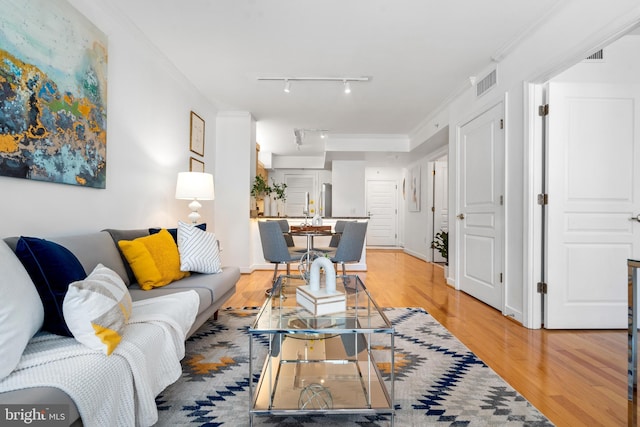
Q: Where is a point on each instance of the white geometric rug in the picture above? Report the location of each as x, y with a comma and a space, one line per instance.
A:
438, 381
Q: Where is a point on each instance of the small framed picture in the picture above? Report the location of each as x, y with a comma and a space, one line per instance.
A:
195, 165
196, 142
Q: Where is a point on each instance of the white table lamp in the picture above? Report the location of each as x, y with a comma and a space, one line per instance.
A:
194, 186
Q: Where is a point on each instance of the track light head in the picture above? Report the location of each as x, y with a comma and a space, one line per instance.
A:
347, 87
298, 134
287, 86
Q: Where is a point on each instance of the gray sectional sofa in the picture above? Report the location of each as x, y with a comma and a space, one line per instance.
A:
101, 247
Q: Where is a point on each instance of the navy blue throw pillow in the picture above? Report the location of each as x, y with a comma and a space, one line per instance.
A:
52, 268
174, 231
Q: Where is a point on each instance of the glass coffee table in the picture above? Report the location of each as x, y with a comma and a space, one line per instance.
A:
338, 363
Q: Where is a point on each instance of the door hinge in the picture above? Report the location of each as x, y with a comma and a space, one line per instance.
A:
433, 172
543, 110
501, 200
433, 209
501, 123
542, 288
543, 199
500, 277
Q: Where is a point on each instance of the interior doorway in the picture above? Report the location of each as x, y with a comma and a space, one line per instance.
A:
593, 187
382, 210
439, 215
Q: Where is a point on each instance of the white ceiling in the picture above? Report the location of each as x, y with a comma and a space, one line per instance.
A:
417, 53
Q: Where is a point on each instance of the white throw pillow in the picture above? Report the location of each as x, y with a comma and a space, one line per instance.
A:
198, 250
21, 311
97, 309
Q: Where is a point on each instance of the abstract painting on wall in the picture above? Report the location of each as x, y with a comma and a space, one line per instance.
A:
414, 189
53, 94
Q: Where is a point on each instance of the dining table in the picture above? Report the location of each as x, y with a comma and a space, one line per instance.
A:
310, 231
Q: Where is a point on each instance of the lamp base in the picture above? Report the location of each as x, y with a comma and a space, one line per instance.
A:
194, 216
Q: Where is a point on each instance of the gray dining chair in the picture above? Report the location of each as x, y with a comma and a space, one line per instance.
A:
338, 229
274, 246
351, 244
286, 232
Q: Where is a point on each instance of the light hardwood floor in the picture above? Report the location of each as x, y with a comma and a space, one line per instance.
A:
576, 378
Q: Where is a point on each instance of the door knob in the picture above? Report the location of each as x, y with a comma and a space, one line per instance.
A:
636, 218
461, 216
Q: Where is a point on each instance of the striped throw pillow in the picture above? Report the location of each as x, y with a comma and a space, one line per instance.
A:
198, 250
97, 309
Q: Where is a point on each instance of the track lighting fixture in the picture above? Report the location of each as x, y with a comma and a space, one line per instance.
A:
346, 81
299, 135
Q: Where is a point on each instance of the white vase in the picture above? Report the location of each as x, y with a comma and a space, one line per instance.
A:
267, 206
274, 207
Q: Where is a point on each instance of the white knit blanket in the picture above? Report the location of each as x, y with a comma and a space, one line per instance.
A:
119, 389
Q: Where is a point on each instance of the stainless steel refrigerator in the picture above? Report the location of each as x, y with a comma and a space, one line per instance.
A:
325, 200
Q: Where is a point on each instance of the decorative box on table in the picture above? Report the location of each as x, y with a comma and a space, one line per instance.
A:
320, 302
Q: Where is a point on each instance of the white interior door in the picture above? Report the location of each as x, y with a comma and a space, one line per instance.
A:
382, 207
440, 201
480, 207
593, 190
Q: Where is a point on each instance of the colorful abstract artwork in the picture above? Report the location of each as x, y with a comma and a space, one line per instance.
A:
53, 94
414, 189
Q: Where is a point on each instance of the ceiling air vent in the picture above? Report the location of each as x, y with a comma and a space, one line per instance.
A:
486, 83
596, 57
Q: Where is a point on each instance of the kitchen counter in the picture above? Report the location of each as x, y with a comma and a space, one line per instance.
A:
324, 217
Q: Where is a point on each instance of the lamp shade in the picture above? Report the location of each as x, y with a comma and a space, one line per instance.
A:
194, 186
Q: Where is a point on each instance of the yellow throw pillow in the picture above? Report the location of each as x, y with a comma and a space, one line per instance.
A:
154, 259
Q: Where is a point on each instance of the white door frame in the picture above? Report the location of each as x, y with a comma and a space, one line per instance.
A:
534, 176
433, 179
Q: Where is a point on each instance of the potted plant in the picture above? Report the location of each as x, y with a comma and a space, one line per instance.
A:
441, 244
280, 196
260, 189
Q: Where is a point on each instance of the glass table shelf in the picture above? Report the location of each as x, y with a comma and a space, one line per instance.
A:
301, 363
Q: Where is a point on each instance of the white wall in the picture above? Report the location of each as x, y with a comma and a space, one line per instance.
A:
348, 178
417, 227
621, 65
418, 232
236, 132
147, 145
